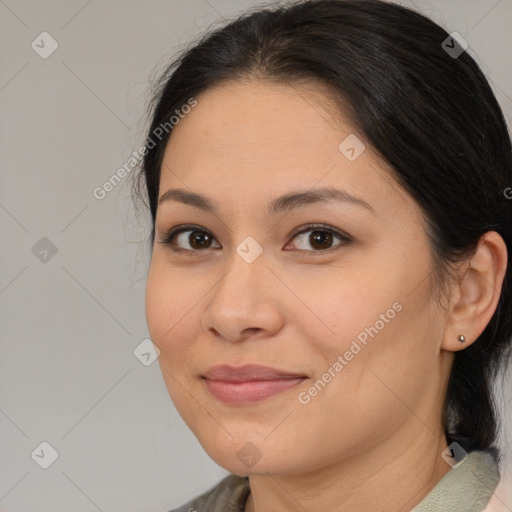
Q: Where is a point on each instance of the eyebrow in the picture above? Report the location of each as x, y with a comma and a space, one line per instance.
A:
282, 204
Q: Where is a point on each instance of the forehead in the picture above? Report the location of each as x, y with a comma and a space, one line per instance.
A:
264, 139
241, 116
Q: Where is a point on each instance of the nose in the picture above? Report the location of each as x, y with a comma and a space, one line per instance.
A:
245, 302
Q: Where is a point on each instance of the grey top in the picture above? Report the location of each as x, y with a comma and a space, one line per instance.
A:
467, 487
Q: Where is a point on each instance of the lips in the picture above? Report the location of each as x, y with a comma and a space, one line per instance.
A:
247, 372
249, 383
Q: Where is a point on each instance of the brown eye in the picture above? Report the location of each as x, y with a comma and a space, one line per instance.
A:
319, 239
194, 239
199, 240
191, 240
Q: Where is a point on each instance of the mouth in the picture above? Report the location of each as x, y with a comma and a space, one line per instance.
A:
249, 383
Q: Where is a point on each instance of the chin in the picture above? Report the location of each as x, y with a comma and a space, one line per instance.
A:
244, 458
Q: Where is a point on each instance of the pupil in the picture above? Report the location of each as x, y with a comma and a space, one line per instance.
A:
196, 238
320, 237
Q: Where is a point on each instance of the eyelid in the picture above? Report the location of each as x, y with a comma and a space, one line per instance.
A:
168, 236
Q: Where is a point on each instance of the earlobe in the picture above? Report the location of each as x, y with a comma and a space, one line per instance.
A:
477, 293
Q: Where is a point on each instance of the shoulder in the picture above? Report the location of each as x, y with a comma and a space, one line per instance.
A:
230, 494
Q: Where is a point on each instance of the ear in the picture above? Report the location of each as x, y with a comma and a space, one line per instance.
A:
476, 295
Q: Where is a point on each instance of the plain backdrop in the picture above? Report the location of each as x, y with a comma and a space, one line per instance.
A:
73, 267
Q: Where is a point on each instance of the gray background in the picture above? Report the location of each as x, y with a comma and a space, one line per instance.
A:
69, 324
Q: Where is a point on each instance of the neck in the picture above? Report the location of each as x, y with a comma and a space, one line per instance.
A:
394, 475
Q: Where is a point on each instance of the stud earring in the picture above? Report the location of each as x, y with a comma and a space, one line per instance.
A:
461, 338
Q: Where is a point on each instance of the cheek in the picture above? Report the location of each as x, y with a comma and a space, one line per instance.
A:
388, 360
367, 315
382, 374
169, 315
339, 304
169, 305
157, 305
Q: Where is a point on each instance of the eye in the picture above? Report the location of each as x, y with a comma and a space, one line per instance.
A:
321, 238
197, 239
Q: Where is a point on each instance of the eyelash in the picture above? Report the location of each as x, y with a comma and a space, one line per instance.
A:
169, 236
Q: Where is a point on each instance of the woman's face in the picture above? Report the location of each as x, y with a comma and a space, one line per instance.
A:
352, 318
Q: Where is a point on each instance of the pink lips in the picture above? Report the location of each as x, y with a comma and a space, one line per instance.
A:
248, 383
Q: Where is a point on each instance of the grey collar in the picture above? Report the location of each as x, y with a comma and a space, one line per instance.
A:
468, 486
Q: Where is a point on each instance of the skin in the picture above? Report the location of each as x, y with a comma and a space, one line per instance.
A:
372, 438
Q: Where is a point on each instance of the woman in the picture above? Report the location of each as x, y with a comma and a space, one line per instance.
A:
330, 283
